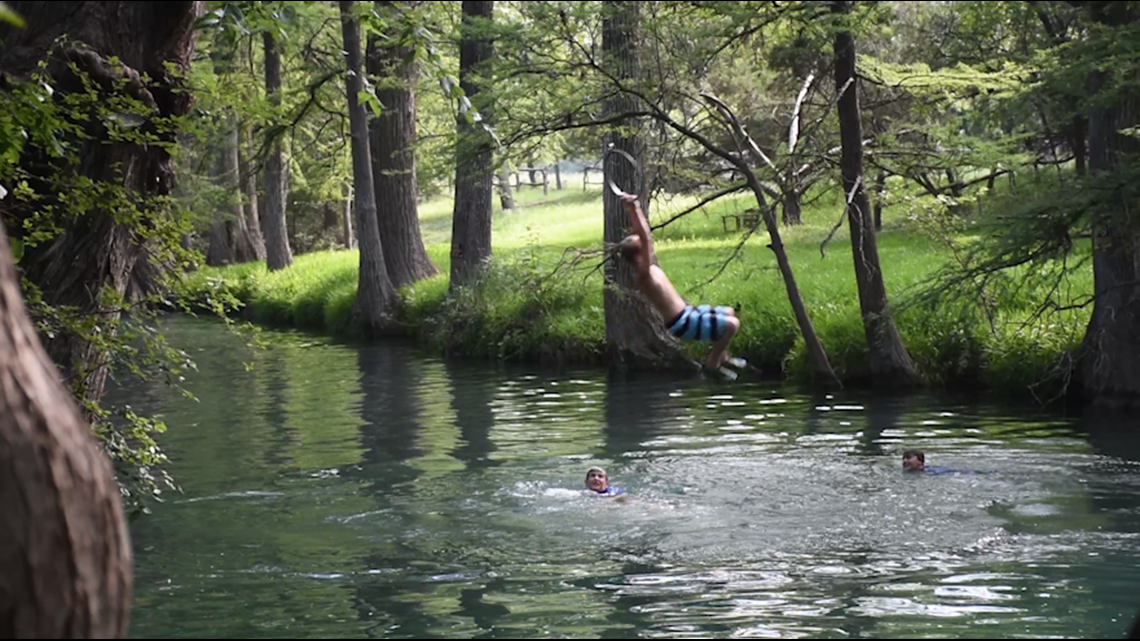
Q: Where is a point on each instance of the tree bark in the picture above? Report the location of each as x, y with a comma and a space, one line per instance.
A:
349, 236
471, 217
229, 232
1110, 351
64, 545
635, 332
252, 217
393, 156
231, 177
793, 211
95, 253
220, 250
506, 196
375, 295
880, 189
890, 364
278, 255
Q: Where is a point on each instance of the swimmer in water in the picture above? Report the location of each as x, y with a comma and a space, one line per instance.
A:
598, 482
915, 461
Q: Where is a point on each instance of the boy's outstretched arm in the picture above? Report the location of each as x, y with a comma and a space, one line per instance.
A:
640, 225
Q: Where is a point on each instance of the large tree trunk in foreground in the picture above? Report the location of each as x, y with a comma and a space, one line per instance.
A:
65, 551
471, 218
1110, 351
394, 159
635, 332
890, 364
95, 253
375, 295
278, 255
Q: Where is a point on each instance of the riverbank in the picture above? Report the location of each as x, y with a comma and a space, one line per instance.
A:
542, 299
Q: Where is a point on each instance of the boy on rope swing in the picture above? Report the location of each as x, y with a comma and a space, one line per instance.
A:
683, 320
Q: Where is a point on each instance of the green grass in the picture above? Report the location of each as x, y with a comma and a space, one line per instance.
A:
521, 312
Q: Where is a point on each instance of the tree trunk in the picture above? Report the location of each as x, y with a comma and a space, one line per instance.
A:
277, 252
95, 253
220, 250
65, 547
793, 212
252, 218
375, 295
557, 177
1110, 351
393, 156
890, 364
506, 196
1078, 131
229, 232
231, 178
635, 332
349, 237
474, 168
880, 189
821, 366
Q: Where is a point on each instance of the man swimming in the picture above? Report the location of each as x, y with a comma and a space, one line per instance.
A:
599, 482
915, 461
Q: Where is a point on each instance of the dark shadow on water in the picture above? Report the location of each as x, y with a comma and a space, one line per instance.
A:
391, 417
486, 616
638, 407
276, 412
472, 392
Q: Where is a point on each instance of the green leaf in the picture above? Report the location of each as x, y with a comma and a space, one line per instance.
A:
17, 246
369, 98
11, 17
209, 19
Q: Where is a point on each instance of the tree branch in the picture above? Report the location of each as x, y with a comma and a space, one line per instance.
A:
731, 189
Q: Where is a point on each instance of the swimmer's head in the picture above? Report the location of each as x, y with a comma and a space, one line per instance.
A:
914, 460
597, 480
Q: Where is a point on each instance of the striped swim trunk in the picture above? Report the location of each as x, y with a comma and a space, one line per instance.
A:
699, 323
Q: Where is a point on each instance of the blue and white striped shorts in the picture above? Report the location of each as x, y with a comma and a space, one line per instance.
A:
699, 323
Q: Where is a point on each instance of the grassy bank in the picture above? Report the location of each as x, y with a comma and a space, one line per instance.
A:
528, 309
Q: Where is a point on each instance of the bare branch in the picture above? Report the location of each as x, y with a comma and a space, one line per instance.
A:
839, 223
732, 189
739, 129
794, 127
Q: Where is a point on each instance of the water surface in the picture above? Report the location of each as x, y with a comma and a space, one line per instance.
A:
340, 491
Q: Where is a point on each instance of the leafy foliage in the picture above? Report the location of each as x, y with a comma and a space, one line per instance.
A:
43, 134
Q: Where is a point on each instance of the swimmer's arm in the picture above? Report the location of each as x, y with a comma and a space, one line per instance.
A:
640, 225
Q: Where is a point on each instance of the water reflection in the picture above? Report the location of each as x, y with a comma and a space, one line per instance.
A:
390, 431
340, 491
474, 416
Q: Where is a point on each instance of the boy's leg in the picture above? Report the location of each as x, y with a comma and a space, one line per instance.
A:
728, 325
